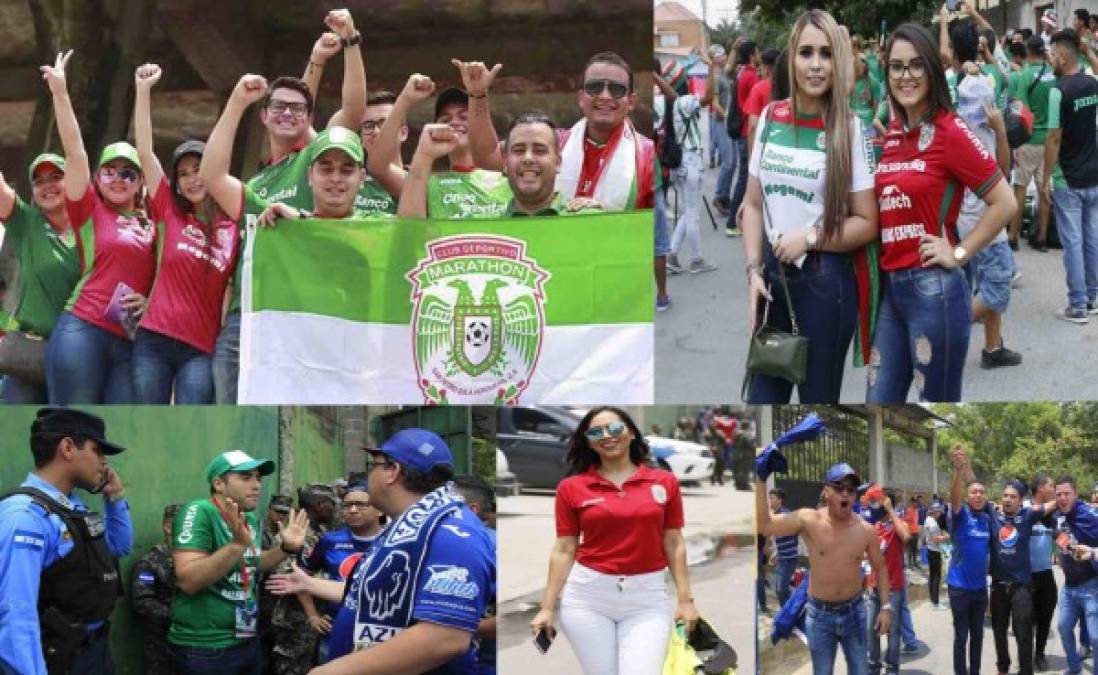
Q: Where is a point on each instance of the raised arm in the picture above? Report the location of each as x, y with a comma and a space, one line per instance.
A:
483, 140
353, 105
7, 200
436, 140
779, 525
77, 173
944, 50
227, 190
383, 160
957, 484
144, 78
710, 80
903, 530
325, 47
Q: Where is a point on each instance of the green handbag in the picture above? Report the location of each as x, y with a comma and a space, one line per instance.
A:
771, 351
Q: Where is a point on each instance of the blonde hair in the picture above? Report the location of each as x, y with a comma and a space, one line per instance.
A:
836, 115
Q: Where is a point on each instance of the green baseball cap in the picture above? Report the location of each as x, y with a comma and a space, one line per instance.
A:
237, 460
46, 158
342, 139
120, 150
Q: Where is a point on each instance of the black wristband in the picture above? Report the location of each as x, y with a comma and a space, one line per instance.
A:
282, 547
352, 41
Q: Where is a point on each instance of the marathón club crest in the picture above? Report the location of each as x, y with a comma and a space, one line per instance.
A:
477, 319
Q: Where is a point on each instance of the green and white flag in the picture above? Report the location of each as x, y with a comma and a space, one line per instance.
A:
542, 310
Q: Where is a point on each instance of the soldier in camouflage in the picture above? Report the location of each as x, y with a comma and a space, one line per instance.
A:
151, 588
296, 623
278, 512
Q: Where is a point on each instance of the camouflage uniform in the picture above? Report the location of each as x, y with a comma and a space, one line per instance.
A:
152, 586
294, 639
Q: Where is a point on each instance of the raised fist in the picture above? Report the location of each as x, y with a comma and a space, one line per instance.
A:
341, 23
436, 140
325, 47
147, 75
418, 88
250, 89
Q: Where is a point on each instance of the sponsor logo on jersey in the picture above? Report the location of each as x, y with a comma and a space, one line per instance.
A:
892, 198
450, 580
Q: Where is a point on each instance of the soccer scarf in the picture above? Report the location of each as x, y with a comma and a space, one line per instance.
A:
615, 184
384, 585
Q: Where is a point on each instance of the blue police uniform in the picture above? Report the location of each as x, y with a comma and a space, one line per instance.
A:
31, 541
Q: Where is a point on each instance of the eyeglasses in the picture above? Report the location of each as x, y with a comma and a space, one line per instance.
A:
843, 487
278, 107
373, 126
355, 505
376, 460
596, 87
613, 430
109, 174
916, 69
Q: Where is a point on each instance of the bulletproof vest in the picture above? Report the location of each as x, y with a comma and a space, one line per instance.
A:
84, 585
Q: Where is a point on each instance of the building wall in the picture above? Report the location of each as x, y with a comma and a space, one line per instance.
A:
691, 33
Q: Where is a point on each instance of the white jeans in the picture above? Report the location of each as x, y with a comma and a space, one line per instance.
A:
616, 625
687, 180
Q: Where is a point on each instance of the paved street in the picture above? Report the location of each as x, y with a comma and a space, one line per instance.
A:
701, 342
718, 526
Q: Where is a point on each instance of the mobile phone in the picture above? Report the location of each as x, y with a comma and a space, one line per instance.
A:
544, 639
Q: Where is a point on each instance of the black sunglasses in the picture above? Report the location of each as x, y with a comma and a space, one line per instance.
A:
596, 87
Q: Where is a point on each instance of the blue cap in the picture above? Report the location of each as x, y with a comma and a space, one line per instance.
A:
418, 449
840, 471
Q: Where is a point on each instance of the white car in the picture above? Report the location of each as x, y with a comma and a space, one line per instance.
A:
690, 462
506, 482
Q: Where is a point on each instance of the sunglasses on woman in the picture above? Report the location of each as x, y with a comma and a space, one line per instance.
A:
596, 87
613, 430
109, 174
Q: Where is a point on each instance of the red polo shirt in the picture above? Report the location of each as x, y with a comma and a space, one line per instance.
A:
620, 530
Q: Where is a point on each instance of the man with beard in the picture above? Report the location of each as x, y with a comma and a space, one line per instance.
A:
412, 605
970, 527
60, 576
532, 163
217, 563
602, 156
837, 542
151, 591
1077, 539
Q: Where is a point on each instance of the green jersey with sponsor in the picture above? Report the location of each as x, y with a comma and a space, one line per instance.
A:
864, 99
49, 267
217, 616
468, 194
1002, 85
374, 200
286, 180
1036, 97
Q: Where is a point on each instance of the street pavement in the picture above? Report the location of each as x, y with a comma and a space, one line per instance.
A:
934, 628
719, 522
701, 341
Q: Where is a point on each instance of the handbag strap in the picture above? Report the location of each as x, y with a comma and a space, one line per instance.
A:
766, 211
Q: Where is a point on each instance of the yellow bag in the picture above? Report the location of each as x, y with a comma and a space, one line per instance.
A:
681, 659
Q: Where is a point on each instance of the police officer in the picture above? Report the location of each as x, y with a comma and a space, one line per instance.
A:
60, 575
152, 585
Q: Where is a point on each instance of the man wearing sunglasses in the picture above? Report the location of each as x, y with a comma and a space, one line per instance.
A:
412, 605
602, 156
837, 541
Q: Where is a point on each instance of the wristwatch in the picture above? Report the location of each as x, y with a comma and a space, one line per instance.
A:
960, 254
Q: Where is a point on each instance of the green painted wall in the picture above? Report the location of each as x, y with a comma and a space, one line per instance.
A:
449, 422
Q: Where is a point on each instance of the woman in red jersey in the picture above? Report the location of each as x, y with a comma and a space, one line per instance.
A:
930, 156
615, 610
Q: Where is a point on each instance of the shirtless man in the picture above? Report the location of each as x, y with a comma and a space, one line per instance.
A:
837, 542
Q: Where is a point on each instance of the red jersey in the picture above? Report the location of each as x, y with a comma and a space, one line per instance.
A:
892, 548
113, 249
921, 181
196, 261
757, 100
726, 427
595, 157
620, 530
746, 81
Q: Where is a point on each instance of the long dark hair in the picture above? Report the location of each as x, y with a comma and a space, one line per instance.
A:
937, 87
580, 455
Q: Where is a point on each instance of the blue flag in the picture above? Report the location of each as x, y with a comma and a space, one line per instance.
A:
792, 614
772, 460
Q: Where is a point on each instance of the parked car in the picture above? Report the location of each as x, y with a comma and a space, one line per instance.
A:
506, 482
690, 462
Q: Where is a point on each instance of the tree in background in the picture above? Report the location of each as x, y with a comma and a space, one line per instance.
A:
860, 16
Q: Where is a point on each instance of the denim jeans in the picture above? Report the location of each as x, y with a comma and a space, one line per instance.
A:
783, 575
1077, 224
21, 392
1012, 606
245, 658
907, 626
968, 609
825, 300
730, 162
661, 239
923, 324
828, 627
226, 361
159, 362
739, 149
1044, 595
1078, 603
86, 364
896, 600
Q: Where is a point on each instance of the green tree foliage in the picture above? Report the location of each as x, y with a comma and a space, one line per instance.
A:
860, 16
1019, 440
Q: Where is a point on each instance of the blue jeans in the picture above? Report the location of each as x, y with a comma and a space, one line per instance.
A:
782, 576
827, 627
739, 149
968, 609
1078, 603
825, 300
86, 364
226, 361
907, 627
159, 362
21, 392
245, 658
1077, 224
729, 161
923, 324
661, 238
897, 601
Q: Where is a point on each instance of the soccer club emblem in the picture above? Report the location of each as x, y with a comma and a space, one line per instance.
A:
478, 319
926, 135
